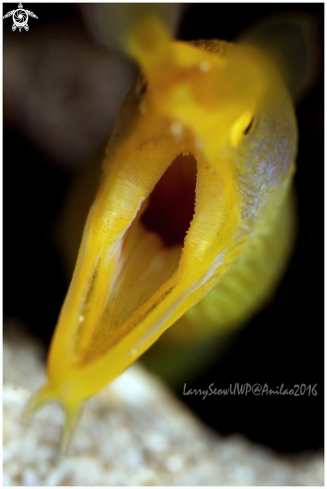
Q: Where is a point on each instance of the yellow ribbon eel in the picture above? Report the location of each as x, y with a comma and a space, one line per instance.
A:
194, 204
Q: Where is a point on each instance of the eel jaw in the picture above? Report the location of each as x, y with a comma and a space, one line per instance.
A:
133, 280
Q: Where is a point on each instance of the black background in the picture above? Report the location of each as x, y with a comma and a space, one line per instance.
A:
282, 345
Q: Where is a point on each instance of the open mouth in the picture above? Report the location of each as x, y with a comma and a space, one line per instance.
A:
154, 238
171, 203
149, 254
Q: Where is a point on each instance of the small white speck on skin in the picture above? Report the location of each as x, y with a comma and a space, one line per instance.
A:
134, 352
176, 129
198, 143
81, 319
205, 66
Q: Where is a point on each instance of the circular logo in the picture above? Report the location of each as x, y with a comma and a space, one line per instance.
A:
20, 18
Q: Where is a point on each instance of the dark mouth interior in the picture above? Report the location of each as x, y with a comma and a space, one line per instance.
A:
172, 201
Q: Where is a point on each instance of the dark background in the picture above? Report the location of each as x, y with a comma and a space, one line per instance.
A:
283, 344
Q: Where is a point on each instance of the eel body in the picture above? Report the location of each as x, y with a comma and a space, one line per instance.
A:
193, 222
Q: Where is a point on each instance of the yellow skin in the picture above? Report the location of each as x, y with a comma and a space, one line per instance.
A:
128, 286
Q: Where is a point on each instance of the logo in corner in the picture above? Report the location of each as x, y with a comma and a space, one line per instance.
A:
20, 18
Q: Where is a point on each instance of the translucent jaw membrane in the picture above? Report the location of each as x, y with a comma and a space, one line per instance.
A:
149, 254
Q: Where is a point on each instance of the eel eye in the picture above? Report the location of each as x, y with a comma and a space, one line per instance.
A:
249, 127
242, 127
140, 88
